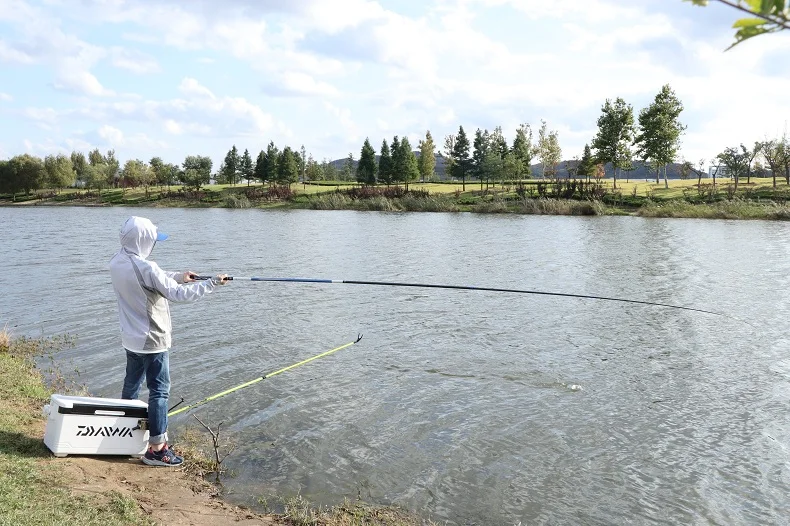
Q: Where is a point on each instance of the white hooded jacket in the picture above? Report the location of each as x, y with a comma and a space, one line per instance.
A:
143, 289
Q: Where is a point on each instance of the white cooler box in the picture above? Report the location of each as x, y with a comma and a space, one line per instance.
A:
79, 425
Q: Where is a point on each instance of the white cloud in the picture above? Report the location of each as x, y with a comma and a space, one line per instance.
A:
81, 82
297, 83
113, 136
173, 127
10, 54
5, 97
190, 86
45, 118
134, 61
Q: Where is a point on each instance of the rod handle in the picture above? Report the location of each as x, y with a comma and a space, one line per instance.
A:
204, 278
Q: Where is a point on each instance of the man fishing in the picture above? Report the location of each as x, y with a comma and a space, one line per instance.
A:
144, 290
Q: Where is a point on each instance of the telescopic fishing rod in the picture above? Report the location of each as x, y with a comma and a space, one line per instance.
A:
465, 287
260, 378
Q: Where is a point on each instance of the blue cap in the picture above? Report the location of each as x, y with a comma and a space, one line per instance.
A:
161, 236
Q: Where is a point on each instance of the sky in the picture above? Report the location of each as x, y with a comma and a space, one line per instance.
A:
172, 78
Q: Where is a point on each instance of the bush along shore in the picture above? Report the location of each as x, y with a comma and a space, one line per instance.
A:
37, 488
758, 198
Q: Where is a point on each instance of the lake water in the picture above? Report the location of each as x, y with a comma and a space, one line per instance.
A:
464, 406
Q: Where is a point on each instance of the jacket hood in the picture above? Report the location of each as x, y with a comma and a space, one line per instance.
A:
138, 236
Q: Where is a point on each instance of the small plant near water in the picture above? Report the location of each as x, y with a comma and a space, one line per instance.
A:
299, 512
204, 455
237, 201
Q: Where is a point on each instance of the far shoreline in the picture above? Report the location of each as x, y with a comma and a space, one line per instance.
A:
757, 199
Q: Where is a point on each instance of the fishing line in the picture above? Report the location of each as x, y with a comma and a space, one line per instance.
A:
484, 289
255, 381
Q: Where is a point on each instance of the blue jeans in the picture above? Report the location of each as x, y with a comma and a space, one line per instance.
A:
155, 368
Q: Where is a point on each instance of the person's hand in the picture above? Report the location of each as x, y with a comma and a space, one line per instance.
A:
189, 276
221, 279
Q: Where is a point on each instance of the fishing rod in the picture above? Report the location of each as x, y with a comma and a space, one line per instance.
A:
466, 287
260, 378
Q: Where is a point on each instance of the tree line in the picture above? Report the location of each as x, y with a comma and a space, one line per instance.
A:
652, 138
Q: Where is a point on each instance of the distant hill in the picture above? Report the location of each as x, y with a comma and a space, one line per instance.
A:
641, 170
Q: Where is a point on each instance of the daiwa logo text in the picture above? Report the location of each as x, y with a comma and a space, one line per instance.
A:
90, 431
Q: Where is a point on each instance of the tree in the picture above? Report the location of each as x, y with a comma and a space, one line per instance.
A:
480, 153
461, 157
398, 160
95, 157
512, 166
175, 174
272, 158
523, 148
287, 167
366, 168
586, 166
7, 179
659, 134
766, 16
599, 172
328, 171
493, 161
259, 172
348, 168
736, 161
549, 151
449, 154
78, 163
750, 155
230, 167
303, 162
29, 173
59, 171
96, 176
385, 163
197, 171
615, 134
247, 170
312, 170
775, 153
105, 168
411, 170
137, 173
492, 168
427, 160
163, 173
10, 177
113, 168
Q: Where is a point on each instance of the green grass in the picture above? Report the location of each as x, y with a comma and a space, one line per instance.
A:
32, 489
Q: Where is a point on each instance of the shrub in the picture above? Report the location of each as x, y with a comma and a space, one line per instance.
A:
237, 201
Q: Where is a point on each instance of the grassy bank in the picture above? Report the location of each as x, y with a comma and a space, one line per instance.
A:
38, 489
757, 199
32, 488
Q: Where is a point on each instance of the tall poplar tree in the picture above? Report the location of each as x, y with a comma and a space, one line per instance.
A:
427, 160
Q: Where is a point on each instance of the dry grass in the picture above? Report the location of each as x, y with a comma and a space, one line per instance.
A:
299, 512
5, 339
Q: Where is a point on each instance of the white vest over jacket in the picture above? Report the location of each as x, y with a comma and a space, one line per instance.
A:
143, 289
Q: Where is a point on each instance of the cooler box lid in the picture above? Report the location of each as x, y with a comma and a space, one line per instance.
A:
85, 405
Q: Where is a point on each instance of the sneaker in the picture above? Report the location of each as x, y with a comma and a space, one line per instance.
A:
164, 457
